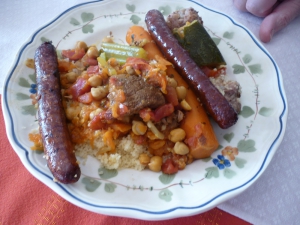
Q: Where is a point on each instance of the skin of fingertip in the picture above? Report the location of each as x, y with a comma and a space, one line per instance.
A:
265, 36
267, 28
240, 5
261, 9
282, 15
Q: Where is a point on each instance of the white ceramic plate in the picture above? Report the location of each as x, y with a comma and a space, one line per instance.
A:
148, 195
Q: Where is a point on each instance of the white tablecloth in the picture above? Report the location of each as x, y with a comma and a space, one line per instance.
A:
275, 197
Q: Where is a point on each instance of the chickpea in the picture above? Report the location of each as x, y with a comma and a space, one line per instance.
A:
144, 159
155, 163
177, 135
180, 148
95, 113
92, 52
108, 39
81, 45
113, 62
71, 77
181, 92
95, 81
130, 70
84, 73
171, 82
186, 106
99, 92
138, 127
72, 112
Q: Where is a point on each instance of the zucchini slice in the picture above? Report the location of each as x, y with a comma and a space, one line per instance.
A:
202, 49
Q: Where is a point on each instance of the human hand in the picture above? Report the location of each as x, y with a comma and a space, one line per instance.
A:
276, 14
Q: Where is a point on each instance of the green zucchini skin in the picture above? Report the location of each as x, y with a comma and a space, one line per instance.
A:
200, 46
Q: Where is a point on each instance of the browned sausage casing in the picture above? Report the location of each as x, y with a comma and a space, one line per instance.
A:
213, 101
52, 120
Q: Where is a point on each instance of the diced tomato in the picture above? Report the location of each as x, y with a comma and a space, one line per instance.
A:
213, 72
113, 81
101, 120
73, 54
86, 98
146, 114
169, 167
97, 122
134, 60
80, 87
139, 139
93, 69
163, 111
137, 63
191, 142
92, 62
123, 109
198, 129
171, 96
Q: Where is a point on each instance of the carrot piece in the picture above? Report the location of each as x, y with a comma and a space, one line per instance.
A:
138, 33
64, 66
37, 140
122, 127
200, 135
109, 140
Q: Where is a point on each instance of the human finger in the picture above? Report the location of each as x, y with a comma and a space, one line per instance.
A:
281, 16
260, 8
240, 4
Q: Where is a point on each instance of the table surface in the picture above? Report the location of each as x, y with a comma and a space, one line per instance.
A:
275, 197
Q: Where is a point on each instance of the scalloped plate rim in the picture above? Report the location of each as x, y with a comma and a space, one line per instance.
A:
146, 214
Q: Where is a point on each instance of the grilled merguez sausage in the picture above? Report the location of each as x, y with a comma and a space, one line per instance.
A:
51, 116
213, 101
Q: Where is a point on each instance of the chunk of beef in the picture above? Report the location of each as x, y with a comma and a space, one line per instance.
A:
179, 18
138, 93
230, 89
